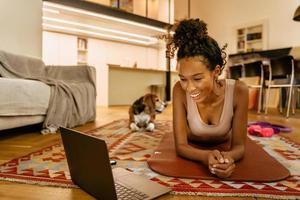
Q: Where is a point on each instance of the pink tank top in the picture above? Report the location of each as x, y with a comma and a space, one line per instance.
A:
200, 128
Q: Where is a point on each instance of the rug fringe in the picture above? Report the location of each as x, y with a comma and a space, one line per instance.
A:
40, 183
270, 196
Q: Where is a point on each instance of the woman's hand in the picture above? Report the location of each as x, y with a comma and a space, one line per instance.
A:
214, 157
221, 164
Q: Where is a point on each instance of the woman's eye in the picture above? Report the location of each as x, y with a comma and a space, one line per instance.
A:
197, 79
183, 79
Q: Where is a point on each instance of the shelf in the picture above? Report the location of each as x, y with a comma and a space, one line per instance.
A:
82, 62
250, 37
82, 50
254, 41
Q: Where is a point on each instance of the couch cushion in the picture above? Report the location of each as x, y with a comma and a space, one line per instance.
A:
23, 97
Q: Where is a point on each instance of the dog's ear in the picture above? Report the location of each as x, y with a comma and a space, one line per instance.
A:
138, 106
149, 102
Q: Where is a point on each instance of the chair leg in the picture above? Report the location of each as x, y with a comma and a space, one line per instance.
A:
259, 100
280, 100
267, 100
294, 100
289, 101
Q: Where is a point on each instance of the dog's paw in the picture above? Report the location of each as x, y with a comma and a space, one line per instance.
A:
150, 127
134, 127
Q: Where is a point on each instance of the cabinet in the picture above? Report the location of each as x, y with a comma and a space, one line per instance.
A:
251, 38
82, 51
59, 49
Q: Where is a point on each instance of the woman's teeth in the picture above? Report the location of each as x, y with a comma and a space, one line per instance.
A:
195, 95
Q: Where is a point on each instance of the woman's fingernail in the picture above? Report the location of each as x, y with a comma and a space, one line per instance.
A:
222, 160
226, 160
214, 165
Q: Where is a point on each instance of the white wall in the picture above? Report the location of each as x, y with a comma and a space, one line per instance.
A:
59, 49
21, 27
223, 16
97, 57
180, 9
139, 7
101, 53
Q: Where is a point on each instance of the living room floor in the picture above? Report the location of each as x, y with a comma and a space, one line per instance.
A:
21, 141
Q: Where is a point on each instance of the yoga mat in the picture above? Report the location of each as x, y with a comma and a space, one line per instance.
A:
257, 165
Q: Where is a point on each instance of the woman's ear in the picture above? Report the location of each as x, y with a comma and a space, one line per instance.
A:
217, 71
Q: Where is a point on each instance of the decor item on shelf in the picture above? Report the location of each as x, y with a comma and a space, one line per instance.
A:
126, 5
251, 37
297, 14
82, 51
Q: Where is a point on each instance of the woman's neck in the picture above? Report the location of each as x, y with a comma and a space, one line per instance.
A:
215, 97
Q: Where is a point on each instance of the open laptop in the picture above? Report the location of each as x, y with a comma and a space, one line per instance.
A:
90, 169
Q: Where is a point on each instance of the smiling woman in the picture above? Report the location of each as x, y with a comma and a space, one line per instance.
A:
206, 110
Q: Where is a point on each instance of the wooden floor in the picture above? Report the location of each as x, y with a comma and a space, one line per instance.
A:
17, 142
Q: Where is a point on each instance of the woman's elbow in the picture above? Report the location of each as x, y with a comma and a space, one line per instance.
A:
180, 149
241, 152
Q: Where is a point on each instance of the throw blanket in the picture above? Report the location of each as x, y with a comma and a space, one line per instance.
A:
73, 90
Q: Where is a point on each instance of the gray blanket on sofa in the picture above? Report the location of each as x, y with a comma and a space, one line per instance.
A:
73, 90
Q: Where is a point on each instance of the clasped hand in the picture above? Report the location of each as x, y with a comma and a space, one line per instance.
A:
220, 163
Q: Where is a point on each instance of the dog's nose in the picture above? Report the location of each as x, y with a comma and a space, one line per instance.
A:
165, 104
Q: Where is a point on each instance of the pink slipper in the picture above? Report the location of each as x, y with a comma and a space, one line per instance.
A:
257, 130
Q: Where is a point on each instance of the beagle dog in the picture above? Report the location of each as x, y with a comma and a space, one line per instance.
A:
142, 112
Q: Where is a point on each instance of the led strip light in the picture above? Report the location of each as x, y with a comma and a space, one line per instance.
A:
97, 34
154, 40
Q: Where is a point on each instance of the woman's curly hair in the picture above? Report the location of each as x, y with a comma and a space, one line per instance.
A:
191, 39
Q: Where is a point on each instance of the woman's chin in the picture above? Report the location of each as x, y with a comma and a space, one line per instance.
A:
198, 100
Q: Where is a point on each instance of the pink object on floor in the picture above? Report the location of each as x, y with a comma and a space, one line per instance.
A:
257, 130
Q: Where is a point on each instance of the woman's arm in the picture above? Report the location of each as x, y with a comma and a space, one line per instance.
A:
239, 123
180, 128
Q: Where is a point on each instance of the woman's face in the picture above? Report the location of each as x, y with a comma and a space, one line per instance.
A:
195, 78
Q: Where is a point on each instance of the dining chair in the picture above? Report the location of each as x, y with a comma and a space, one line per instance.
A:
235, 71
281, 75
255, 69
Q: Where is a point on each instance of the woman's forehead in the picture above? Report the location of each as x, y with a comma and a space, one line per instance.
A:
191, 67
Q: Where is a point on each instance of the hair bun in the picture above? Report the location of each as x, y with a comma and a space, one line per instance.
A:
190, 32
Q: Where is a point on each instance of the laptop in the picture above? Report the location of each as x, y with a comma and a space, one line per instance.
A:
90, 169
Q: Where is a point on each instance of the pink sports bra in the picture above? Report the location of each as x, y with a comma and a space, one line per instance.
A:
223, 128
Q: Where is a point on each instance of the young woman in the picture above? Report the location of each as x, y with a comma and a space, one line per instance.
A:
209, 112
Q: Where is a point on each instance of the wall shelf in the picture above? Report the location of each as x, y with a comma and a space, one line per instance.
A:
82, 50
251, 37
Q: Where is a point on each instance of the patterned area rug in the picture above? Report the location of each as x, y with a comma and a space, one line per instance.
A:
48, 166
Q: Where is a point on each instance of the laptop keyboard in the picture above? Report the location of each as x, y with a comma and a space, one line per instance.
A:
125, 193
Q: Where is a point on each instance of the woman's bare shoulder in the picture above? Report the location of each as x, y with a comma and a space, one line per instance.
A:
178, 92
241, 88
178, 89
241, 92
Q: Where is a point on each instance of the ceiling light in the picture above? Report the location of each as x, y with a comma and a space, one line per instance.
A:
97, 34
51, 10
99, 28
102, 16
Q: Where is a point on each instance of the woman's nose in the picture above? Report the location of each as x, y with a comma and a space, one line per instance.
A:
190, 87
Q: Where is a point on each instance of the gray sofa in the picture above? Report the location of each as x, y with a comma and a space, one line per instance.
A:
55, 95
